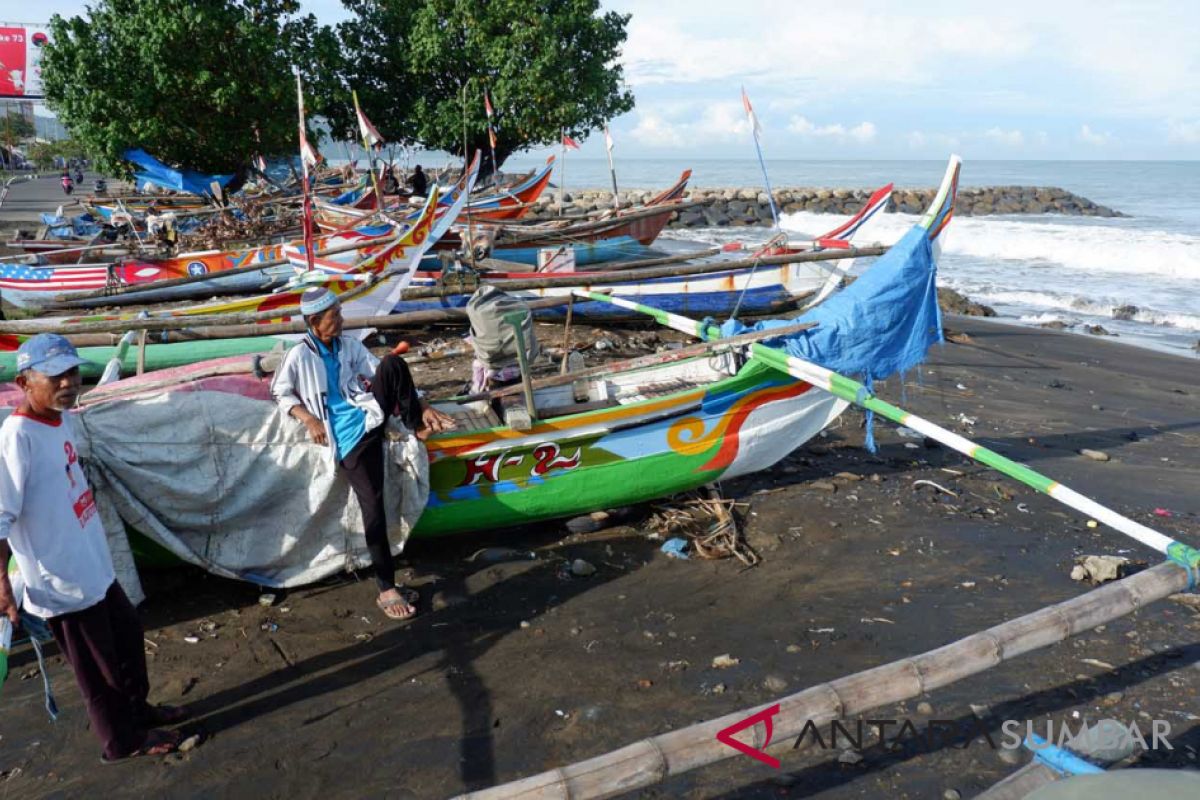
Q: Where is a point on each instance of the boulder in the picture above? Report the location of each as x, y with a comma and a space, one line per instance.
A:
953, 302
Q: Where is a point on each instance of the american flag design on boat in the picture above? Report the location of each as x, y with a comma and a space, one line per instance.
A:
54, 278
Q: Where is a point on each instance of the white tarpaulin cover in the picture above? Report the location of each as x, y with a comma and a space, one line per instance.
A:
228, 483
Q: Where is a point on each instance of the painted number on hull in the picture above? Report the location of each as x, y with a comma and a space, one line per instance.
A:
545, 458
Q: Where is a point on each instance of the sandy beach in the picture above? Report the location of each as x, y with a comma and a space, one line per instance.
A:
518, 666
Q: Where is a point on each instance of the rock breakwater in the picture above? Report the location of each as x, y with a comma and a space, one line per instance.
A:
750, 206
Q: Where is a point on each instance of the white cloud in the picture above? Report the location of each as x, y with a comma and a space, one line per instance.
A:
1184, 132
1093, 138
681, 41
861, 133
679, 124
653, 130
1012, 138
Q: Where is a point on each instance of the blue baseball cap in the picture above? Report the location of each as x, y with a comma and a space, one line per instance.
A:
49, 354
316, 300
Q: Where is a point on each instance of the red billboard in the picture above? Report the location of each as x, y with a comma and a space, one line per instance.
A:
21, 60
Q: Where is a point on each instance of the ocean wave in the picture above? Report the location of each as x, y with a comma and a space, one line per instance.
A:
1079, 246
1083, 306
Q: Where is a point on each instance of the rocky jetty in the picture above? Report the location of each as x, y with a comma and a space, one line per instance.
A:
749, 206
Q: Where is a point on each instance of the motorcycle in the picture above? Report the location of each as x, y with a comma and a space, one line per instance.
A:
101, 187
67, 184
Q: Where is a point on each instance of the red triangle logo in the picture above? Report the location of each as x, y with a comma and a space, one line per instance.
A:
765, 716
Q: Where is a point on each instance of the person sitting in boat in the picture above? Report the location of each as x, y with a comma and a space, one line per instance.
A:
343, 395
50, 523
419, 182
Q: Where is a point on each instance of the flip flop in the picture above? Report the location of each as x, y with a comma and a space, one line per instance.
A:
407, 597
158, 743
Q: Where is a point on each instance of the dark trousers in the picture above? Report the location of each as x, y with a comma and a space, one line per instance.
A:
396, 393
104, 646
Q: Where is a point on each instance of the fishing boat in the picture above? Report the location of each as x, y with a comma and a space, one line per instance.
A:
748, 291
370, 291
395, 262
615, 435
33, 286
507, 204
617, 235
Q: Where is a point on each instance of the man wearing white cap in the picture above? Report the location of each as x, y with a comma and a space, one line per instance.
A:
48, 517
342, 394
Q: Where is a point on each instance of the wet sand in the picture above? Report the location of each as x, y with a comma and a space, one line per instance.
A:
513, 668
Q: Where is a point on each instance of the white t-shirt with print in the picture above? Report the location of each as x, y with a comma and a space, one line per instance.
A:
48, 514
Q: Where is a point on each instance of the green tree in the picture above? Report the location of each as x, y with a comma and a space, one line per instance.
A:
547, 65
204, 84
43, 153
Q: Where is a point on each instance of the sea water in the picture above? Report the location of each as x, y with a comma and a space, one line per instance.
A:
1031, 268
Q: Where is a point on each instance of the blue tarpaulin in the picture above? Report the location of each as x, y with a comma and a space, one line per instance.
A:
881, 324
154, 171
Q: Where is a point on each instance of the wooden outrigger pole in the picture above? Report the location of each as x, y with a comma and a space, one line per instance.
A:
655, 759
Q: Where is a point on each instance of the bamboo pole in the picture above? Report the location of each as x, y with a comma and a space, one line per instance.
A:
655, 759
236, 326
636, 275
641, 362
854, 392
613, 266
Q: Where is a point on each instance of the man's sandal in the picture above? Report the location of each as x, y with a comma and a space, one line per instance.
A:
158, 743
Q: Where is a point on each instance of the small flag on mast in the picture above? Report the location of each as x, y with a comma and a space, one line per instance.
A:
487, 107
608, 142
570, 143
308, 154
370, 135
755, 128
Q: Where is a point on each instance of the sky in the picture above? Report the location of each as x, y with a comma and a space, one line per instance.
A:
1018, 79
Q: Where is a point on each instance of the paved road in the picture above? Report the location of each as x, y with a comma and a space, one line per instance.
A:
28, 198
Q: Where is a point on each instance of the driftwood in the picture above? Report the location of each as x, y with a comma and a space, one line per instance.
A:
655, 759
635, 275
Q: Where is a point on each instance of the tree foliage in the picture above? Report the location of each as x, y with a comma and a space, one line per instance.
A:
205, 84
547, 65
15, 127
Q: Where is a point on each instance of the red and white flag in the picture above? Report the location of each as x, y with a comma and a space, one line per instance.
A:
570, 143
370, 136
260, 164
487, 106
608, 142
755, 128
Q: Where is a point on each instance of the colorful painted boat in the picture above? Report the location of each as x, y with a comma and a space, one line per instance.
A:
31, 286
397, 260
641, 432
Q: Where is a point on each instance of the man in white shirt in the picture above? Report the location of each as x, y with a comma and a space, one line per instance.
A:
49, 520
